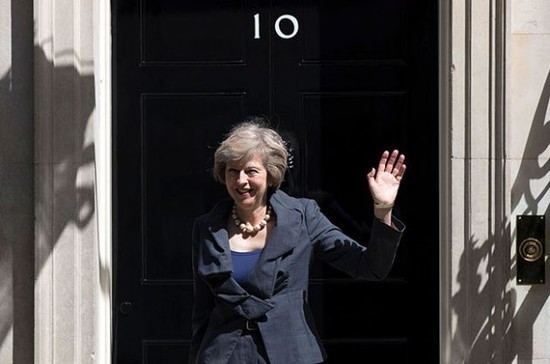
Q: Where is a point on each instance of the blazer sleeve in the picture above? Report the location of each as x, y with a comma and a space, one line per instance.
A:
340, 251
203, 302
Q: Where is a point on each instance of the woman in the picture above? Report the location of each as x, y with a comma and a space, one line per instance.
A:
251, 254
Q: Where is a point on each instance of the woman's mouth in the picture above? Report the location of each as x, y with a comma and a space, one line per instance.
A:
244, 191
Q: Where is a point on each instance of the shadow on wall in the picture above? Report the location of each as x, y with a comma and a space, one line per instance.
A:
65, 204
490, 326
16, 201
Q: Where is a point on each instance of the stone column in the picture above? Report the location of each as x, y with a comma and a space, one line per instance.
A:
476, 240
65, 213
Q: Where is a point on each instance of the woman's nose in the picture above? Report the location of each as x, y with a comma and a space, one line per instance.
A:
241, 178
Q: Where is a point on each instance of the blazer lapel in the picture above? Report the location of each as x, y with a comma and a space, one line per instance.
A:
281, 242
284, 235
214, 250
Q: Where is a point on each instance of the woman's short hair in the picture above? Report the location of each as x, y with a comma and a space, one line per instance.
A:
250, 138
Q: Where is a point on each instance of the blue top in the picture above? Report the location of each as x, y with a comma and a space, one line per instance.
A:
243, 263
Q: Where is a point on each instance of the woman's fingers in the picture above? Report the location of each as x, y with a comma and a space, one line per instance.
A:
383, 161
391, 161
397, 169
401, 172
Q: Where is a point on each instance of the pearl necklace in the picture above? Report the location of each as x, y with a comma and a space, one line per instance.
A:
247, 227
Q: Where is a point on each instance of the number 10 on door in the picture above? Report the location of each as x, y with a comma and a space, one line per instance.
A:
277, 26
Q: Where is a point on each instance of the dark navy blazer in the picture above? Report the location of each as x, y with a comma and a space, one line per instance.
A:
274, 296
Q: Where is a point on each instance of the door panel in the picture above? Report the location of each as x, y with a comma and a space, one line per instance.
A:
183, 32
172, 123
342, 81
353, 31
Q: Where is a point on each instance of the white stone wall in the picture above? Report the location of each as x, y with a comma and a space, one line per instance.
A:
529, 162
498, 157
66, 262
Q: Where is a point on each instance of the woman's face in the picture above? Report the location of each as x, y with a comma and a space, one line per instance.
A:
247, 183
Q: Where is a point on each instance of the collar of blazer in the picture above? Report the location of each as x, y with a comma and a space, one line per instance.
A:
214, 245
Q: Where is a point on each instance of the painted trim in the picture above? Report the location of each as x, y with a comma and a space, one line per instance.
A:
103, 198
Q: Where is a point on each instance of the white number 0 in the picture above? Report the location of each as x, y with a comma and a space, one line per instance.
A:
278, 30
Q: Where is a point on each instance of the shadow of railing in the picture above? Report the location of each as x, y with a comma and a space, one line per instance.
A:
66, 184
529, 170
490, 326
16, 175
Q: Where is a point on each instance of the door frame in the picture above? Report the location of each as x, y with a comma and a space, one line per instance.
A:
106, 139
445, 154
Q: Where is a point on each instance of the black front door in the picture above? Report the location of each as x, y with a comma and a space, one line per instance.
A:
342, 81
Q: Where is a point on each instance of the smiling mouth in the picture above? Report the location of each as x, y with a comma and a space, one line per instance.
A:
244, 191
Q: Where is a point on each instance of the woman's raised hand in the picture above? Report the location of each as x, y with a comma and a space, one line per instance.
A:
384, 181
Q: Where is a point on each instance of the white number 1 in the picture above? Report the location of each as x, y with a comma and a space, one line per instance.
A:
256, 26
